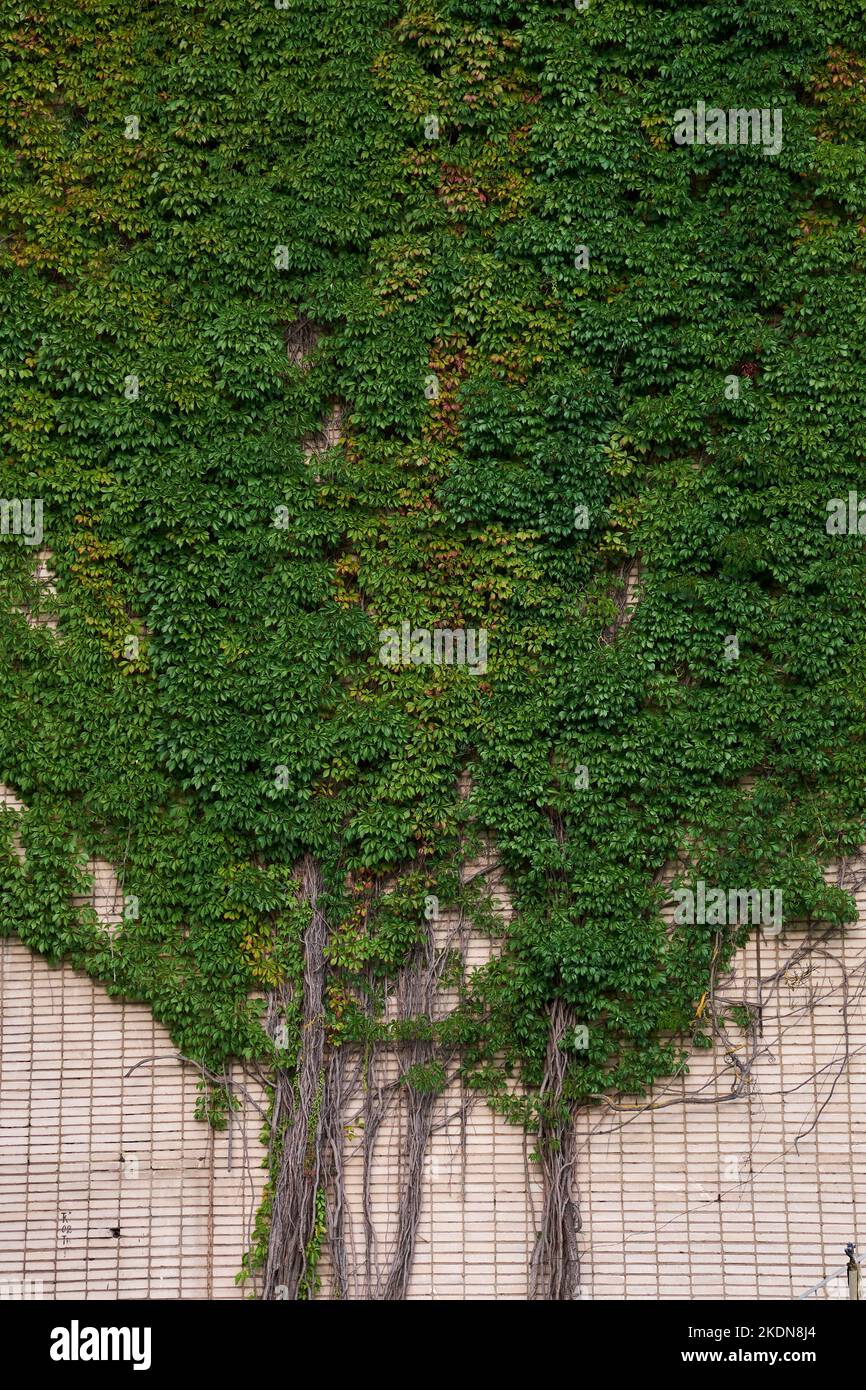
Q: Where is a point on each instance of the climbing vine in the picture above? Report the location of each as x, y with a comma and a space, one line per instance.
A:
594, 391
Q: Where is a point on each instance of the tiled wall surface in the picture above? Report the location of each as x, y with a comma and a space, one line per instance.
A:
741, 1199
109, 1188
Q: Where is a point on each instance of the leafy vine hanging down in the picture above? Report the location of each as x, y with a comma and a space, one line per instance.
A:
563, 349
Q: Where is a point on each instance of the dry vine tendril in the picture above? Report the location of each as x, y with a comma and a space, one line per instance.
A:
562, 349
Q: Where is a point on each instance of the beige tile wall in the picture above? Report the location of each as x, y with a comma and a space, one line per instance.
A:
753, 1198
110, 1188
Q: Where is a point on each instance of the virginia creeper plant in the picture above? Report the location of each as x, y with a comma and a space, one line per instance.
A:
565, 351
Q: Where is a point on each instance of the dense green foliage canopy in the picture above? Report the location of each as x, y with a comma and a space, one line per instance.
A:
190, 188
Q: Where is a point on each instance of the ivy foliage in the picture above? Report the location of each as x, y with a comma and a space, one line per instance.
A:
281, 175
